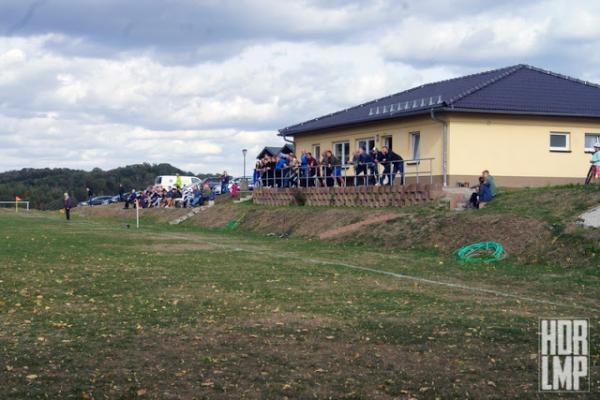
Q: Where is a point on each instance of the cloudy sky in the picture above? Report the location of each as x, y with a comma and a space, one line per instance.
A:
105, 83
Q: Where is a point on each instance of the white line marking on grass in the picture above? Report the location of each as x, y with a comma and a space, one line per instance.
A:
393, 274
416, 279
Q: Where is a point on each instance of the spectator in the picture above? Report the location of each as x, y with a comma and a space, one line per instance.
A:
596, 161
130, 199
483, 195
178, 183
360, 161
313, 169
90, 195
171, 196
234, 190
329, 163
392, 164
376, 157
280, 170
67, 205
303, 168
256, 178
490, 182
206, 191
121, 192
225, 178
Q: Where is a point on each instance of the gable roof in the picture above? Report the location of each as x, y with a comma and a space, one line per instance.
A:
520, 89
274, 150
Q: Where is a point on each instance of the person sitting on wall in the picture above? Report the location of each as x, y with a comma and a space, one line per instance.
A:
483, 195
596, 161
489, 179
392, 164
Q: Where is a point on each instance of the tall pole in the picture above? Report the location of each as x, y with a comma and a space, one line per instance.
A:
244, 151
244, 181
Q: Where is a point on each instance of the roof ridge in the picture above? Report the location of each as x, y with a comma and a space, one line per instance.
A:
399, 93
562, 76
508, 71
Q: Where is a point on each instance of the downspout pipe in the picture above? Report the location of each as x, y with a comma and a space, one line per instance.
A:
285, 139
444, 124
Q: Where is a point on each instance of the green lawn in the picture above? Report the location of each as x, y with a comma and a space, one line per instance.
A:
91, 309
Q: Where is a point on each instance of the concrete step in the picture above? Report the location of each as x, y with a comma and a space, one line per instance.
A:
189, 215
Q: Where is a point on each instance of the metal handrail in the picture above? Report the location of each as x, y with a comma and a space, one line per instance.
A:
329, 175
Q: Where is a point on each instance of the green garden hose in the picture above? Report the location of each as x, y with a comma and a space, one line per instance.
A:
481, 252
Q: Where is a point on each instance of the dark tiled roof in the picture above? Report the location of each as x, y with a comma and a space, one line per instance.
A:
274, 150
518, 89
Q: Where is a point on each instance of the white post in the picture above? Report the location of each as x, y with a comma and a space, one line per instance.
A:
137, 214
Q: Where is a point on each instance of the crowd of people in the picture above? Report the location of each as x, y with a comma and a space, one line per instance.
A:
155, 197
375, 167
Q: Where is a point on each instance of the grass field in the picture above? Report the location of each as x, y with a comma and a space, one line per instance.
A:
90, 309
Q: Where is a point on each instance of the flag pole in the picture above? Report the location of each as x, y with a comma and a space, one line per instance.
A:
137, 214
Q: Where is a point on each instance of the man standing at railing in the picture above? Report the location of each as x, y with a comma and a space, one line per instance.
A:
376, 157
392, 164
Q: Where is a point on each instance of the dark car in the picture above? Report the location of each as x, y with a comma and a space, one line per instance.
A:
98, 201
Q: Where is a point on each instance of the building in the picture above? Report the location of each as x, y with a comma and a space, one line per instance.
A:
528, 126
272, 151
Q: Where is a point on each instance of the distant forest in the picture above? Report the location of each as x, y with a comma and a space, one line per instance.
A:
44, 188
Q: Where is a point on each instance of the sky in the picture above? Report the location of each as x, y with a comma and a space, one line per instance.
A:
107, 83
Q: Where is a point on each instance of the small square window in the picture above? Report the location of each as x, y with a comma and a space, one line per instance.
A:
559, 141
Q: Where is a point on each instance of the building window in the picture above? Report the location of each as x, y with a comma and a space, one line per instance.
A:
387, 142
366, 144
415, 145
342, 151
316, 151
591, 139
559, 141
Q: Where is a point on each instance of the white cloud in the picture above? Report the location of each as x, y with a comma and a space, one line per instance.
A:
208, 80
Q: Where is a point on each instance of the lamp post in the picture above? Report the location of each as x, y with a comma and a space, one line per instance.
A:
244, 182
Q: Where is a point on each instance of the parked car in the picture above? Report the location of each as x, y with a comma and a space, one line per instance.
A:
168, 181
98, 201
214, 184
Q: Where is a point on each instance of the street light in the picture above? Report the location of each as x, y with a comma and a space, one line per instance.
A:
244, 182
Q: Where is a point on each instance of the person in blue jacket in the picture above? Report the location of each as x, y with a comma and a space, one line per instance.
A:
484, 195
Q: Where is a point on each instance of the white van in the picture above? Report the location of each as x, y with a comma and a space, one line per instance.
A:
168, 181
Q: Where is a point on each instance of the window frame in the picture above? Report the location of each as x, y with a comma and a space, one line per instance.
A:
565, 149
411, 144
387, 144
314, 151
367, 139
345, 156
589, 149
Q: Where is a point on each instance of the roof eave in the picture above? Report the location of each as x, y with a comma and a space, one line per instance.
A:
517, 112
391, 117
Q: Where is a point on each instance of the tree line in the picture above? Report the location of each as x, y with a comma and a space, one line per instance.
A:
44, 187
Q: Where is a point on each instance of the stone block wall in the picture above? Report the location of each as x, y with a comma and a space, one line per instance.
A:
351, 196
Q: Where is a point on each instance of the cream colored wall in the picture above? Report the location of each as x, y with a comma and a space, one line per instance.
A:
514, 146
431, 140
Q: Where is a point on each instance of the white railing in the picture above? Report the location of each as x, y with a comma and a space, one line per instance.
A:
16, 205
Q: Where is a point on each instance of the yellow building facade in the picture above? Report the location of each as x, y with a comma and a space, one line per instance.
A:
516, 150
527, 126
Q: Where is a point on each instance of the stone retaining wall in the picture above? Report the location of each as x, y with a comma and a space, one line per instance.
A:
361, 196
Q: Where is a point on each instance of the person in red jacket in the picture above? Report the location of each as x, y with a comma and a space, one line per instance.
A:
234, 190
